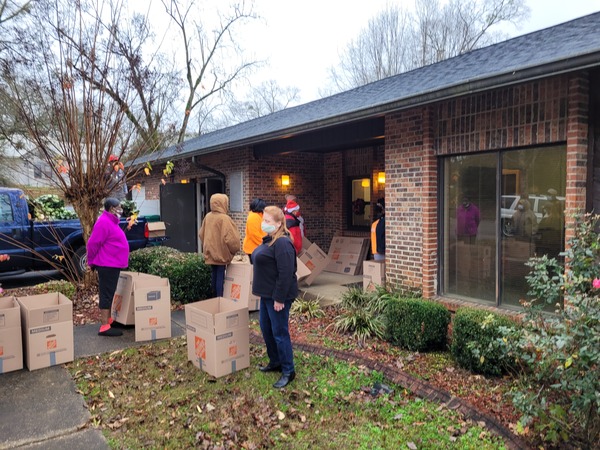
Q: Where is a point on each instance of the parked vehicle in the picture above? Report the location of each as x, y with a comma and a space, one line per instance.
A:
35, 245
509, 206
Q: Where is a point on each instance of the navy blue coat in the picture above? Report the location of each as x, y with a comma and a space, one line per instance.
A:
275, 270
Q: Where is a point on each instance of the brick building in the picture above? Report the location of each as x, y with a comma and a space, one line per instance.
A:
503, 137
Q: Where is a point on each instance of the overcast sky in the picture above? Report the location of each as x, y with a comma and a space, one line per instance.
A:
302, 39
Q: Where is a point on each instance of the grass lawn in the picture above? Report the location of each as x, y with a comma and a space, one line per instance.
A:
152, 397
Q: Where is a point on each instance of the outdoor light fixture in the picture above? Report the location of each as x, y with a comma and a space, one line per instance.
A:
365, 182
381, 177
285, 180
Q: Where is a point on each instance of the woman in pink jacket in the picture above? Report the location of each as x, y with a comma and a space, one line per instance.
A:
108, 253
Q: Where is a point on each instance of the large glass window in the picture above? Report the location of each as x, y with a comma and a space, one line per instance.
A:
360, 208
500, 209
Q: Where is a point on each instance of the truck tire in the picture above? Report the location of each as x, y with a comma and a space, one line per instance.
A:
80, 261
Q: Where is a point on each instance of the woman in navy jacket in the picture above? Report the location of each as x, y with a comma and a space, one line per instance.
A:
276, 283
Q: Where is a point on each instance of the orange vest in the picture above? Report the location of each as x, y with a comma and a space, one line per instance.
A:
374, 237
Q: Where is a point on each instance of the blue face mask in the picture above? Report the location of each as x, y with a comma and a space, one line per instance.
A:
267, 228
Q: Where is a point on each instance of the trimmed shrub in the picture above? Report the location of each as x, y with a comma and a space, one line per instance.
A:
416, 324
141, 260
476, 340
64, 287
188, 275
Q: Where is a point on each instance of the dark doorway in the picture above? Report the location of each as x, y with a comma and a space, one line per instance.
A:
208, 187
179, 212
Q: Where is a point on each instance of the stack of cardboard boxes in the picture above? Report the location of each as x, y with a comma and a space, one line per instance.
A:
144, 301
346, 254
47, 327
218, 337
314, 259
11, 341
373, 275
238, 285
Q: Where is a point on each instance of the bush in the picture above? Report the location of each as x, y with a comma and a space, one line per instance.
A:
64, 287
476, 341
188, 275
361, 316
561, 394
307, 309
140, 260
416, 324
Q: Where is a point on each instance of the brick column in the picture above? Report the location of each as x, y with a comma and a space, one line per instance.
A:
577, 148
429, 208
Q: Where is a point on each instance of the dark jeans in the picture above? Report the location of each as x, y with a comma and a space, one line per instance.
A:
217, 279
276, 333
108, 277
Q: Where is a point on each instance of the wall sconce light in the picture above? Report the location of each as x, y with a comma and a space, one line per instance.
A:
285, 180
365, 182
184, 181
381, 177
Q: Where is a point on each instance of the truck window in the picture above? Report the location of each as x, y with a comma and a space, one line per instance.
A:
6, 212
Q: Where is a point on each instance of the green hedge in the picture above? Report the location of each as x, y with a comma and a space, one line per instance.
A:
188, 275
476, 340
416, 324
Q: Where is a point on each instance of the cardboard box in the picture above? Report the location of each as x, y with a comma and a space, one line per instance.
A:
11, 340
238, 285
152, 299
302, 271
346, 254
122, 309
218, 335
156, 229
315, 260
47, 327
373, 274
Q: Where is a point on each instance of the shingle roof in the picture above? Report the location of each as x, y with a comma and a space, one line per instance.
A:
569, 46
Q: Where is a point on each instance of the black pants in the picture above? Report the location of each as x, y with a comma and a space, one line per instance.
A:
108, 277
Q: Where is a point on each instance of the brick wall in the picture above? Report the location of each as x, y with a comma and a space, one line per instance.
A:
553, 110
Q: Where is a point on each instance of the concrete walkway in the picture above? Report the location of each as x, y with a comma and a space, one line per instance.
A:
43, 410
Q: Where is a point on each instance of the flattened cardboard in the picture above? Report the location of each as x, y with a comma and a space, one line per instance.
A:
302, 271
47, 327
346, 255
122, 309
315, 260
152, 300
11, 340
218, 335
156, 229
238, 285
373, 275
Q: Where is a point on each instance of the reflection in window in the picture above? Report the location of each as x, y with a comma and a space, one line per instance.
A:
360, 212
526, 217
6, 212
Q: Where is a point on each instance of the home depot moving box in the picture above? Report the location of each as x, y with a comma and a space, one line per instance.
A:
302, 271
122, 309
152, 300
346, 254
218, 335
47, 326
315, 260
156, 229
238, 285
373, 274
11, 340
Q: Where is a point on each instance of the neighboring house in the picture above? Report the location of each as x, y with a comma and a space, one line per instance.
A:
28, 174
520, 117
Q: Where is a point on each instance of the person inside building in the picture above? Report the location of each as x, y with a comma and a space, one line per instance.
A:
467, 221
254, 234
220, 240
275, 282
108, 254
524, 222
378, 232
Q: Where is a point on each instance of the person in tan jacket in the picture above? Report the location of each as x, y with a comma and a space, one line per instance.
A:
220, 240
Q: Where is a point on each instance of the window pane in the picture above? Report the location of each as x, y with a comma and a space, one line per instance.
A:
470, 227
361, 202
532, 213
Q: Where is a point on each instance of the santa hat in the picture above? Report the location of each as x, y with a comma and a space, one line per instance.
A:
291, 206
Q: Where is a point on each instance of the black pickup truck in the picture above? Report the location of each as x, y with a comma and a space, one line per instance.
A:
34, 245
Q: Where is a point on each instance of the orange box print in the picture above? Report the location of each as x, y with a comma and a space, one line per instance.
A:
233, 350
51, 344
236, 291
153, 321
200, 346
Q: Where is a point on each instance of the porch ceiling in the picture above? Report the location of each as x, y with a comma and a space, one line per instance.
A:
334, 138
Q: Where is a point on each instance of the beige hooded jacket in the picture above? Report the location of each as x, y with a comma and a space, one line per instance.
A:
218, 233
